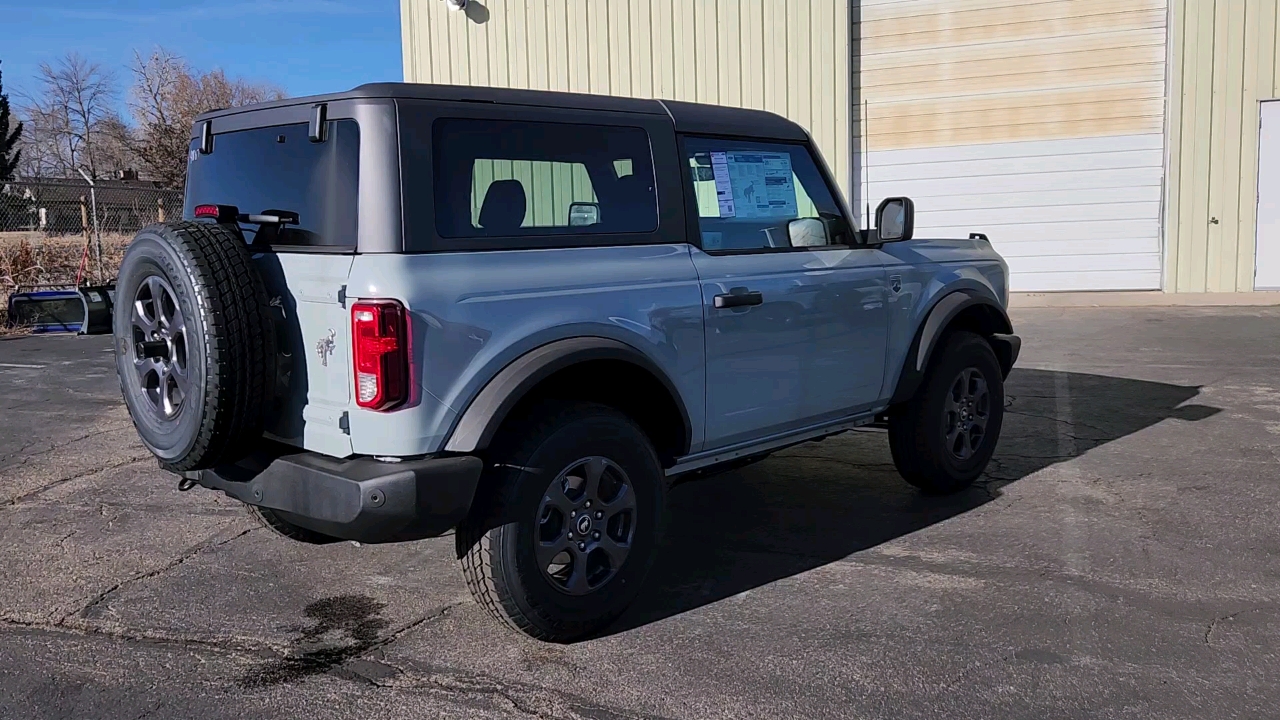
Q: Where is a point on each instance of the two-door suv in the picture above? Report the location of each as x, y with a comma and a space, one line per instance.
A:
403, 310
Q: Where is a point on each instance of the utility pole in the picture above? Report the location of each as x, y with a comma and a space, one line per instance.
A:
97, 235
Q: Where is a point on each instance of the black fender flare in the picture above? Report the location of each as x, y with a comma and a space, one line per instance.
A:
476, 426
994, 323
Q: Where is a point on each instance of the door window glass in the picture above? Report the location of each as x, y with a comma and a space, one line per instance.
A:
750, 195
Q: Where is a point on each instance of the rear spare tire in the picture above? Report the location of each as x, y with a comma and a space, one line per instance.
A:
195, 348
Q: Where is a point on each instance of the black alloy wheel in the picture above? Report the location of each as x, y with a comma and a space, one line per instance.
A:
965, 413
585, 524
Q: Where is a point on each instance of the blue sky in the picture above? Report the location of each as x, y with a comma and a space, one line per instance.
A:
304, 46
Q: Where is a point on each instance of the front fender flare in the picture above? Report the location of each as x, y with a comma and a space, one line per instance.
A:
995, 322
486, 413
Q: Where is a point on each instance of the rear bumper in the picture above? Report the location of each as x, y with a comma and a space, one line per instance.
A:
356, 499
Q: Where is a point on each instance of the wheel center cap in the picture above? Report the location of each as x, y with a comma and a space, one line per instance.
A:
584, 524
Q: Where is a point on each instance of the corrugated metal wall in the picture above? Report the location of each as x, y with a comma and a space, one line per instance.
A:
1039, 123
786, 56
1224, 60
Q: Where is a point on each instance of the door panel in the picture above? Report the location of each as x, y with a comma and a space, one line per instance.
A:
795, 313
812, 349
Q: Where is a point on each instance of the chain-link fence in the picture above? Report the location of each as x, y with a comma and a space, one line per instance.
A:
49, 237
52, 207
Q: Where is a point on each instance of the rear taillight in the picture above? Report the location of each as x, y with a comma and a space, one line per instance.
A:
380, 340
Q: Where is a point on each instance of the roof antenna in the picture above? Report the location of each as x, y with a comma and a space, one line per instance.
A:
866, 167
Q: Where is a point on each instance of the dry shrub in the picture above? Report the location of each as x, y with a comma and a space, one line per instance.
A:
51, 261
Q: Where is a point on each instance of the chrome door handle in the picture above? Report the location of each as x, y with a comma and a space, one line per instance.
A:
732, 300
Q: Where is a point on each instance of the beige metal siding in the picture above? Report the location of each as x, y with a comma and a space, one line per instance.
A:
1223, 62
786, 56
1038, 123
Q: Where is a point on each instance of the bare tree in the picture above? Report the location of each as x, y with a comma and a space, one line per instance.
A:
10, 152
165, 99
69, 118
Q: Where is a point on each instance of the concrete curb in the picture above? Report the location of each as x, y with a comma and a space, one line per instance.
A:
1142, 299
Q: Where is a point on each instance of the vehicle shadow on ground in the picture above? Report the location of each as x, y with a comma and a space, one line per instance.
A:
820, 502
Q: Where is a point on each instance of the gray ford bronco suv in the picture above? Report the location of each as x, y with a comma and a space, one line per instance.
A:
405, 309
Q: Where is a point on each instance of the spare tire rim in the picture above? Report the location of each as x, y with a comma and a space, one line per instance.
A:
965, 413
159, 351
586, 525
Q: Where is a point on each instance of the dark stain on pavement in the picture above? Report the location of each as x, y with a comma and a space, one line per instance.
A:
356, 620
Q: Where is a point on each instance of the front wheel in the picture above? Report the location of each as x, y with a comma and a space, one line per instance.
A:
943, 438
567, 523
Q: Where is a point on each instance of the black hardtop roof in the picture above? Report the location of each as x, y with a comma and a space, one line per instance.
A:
688, 117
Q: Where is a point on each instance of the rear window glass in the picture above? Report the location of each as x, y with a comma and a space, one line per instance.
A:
279, 168
513, 179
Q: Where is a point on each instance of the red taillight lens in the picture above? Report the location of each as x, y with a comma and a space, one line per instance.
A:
379, 337
206, 211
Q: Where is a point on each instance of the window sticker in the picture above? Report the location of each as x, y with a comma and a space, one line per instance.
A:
762, 183
754, 184
724, 188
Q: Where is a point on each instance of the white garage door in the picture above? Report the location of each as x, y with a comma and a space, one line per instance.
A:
1039, 124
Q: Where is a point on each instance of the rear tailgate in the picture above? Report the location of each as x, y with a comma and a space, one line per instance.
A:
280, 171
314, 336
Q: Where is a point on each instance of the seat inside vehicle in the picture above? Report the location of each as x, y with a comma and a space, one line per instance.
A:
504, 206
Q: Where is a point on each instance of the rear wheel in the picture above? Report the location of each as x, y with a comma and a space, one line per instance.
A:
576, 506
943, 438
276, 523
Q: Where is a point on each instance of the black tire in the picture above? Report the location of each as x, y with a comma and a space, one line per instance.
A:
200, 401
928, 438
500, 544
272, 520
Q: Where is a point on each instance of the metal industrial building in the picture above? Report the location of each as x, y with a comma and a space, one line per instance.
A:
1101, 144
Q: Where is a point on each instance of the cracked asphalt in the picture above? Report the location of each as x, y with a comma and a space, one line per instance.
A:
1120, 559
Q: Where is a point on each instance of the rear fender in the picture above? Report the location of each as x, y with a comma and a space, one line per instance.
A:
486, 413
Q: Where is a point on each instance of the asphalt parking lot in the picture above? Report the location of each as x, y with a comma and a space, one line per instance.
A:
1121, 559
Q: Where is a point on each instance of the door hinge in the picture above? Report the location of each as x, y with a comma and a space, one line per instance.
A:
342, 296
344, 423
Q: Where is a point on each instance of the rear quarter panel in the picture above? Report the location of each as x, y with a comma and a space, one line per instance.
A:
474, 313
929, 270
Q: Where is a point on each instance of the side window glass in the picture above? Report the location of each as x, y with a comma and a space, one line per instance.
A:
761, 196
513, 179
553, 187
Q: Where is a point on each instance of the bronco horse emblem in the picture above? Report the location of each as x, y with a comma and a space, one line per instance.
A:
324, 347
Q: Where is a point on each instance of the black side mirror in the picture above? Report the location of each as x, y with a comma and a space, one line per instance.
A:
896, 219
